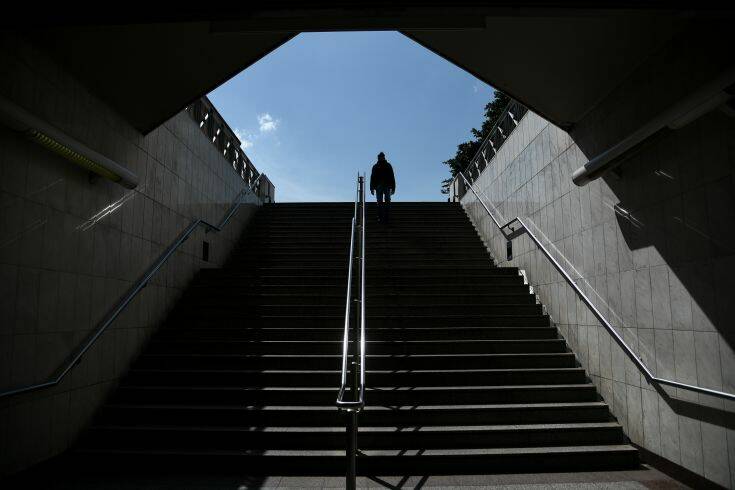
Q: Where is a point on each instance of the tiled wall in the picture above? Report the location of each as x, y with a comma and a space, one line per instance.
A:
70, 247
663, 274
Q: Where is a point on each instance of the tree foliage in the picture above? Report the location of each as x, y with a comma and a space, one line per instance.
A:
468, 149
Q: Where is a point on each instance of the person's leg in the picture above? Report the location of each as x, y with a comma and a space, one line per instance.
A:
386, 205
379, 198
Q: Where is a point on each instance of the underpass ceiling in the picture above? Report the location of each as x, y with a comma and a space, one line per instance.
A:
561, 66
149, 72
559, 61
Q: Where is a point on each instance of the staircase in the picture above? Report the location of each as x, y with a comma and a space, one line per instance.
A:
465, 374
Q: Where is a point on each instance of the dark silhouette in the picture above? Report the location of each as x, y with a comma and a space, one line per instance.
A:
383, 181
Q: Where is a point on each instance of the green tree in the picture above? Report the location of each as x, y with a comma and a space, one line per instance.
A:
468, 149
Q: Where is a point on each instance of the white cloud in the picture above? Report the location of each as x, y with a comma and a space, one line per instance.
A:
267, 123
246, 141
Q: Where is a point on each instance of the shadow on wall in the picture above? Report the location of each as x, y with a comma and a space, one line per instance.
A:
676, 208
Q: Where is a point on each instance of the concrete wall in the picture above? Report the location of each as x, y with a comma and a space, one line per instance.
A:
70, 247
662, 275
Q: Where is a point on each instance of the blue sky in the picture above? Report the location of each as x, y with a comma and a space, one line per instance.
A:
319, 109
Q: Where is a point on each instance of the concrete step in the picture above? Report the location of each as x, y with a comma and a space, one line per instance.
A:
397, 218
374, 241
432, 268
227, 279
389, 395
400, 416
384, 249
336, 333
374, 264
342, 255
404, 273
372, 291
182, 316
232, 296
370, 462
407, 347
329, 378
377, 274
393, 230
397, 223
331, 438
235, 309
291, 207
374, 361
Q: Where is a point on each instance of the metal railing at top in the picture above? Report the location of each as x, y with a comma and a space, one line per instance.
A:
111, 315
516, 227
219, 133
497, 136
357, 334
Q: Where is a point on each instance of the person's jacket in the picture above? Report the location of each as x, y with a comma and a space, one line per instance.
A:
382, 176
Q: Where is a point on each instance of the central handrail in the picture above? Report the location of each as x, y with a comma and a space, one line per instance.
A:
111, 315
352, 407
346, 339
521, 229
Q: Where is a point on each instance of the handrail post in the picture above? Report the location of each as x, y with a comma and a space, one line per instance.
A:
362, 294
352, 427
354, 336
351, 450
358, 320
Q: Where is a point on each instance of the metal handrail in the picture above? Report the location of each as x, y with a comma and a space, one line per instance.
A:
345, 340
521, 229
508, 111
359, 403
107, 320
352, 407
219, 134
512, 105
362, 299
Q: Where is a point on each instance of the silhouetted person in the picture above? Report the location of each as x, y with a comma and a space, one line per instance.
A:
383, 182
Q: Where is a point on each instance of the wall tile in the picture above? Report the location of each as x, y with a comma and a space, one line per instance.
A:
665, 367
690, 432
651, 428
684, 357
64, 258
628, 296
681, 304
707, 352
620, 403
635, 414
714, 454
649, 250
48, 301
26, 306
643, 306
731, 454
8, 297
669, 422
661, 302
